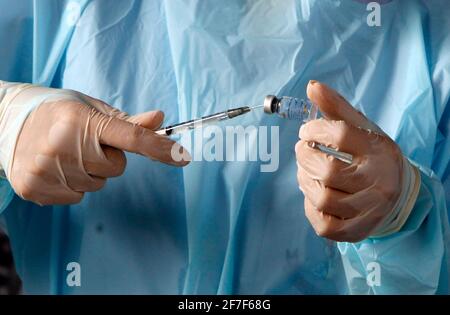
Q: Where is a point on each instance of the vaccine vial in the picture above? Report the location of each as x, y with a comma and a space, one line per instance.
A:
291, 108
304, 111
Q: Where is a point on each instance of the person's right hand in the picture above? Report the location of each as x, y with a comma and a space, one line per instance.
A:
71, 146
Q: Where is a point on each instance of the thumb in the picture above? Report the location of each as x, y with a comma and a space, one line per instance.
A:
335, 107
150, 120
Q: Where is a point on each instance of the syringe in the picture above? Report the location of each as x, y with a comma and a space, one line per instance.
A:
302, 110
202, 122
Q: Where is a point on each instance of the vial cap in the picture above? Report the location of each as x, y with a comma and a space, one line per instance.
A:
270, 104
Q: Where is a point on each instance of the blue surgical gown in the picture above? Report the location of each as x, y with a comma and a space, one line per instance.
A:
226, 227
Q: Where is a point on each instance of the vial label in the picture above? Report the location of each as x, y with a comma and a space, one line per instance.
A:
298, 109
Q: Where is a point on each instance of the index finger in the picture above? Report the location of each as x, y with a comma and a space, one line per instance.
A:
133, 138
336, 134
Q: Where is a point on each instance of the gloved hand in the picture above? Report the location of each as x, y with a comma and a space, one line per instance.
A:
71, 143
374, 195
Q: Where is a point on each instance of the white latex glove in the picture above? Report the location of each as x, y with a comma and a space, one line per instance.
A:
70, 143
374, 195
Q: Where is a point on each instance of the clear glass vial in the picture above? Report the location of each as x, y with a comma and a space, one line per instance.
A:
291, 108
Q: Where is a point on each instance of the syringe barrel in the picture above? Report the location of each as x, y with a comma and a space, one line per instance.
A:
291, 108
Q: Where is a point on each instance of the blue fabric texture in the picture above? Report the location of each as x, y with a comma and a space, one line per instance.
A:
225, 227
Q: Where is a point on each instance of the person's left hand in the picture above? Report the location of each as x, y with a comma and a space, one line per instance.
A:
349, 202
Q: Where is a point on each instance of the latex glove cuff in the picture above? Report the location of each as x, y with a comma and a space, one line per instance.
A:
17, 101
401, 211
